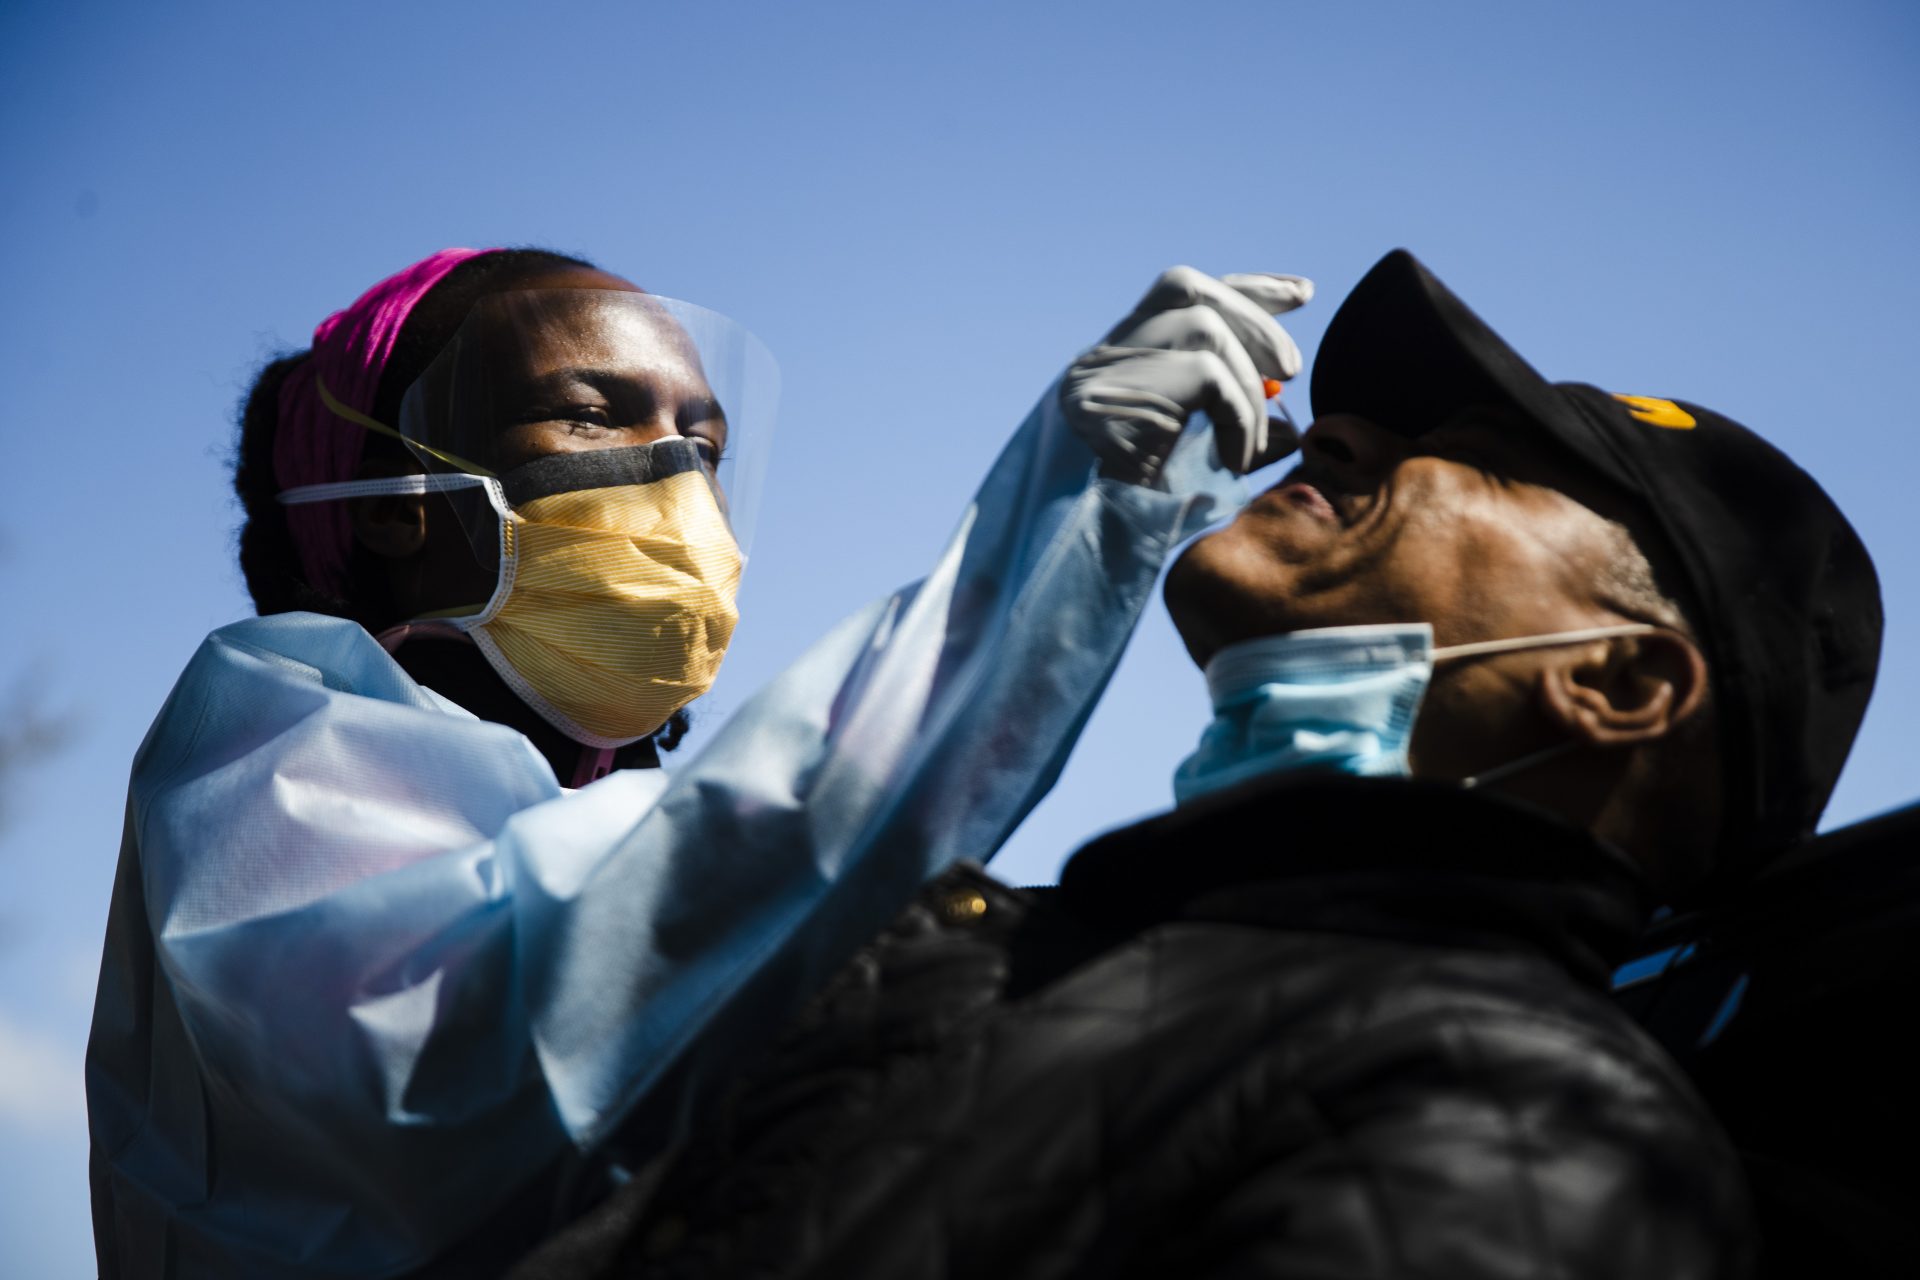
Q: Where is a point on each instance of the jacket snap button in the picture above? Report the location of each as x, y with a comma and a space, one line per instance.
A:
963, 906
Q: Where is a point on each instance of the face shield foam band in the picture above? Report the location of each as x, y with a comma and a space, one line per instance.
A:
640, 464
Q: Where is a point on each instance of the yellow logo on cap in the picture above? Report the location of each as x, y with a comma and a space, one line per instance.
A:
1657, 413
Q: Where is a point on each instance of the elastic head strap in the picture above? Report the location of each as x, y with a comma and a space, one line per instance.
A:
358, 418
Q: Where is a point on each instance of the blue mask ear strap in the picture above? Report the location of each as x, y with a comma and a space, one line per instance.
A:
1513, 644
1527, 761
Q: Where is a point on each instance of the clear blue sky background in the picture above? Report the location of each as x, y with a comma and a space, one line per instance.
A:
925, 211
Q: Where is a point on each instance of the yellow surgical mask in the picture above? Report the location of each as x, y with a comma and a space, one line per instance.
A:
615, 605
617, 576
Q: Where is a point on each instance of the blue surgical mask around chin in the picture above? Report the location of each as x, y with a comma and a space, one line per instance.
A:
1335, 700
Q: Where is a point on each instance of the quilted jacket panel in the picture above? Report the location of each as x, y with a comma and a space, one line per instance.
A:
1381, 1066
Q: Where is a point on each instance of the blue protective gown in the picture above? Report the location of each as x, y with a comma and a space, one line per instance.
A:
369, 969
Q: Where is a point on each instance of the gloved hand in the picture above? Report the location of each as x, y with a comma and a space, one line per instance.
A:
1192, 343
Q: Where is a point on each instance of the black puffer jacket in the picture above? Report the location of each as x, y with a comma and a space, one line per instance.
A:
1334, 1028
1791, 1006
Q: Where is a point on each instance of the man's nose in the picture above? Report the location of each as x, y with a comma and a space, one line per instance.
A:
1352, 448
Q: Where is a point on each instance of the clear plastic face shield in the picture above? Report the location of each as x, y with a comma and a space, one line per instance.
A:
597, 455
543, 392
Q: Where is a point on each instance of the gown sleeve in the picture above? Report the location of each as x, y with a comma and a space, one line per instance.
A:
369, 969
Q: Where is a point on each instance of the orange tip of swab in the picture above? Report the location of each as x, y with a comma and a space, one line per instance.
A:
1271, 386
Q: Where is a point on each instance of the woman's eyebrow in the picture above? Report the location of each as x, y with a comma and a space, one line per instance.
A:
704, 409
598, 377
622, 388
604, 378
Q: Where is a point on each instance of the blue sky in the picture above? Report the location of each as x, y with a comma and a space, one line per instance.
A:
924, 211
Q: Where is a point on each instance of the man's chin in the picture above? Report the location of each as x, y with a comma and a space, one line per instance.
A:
1219, 593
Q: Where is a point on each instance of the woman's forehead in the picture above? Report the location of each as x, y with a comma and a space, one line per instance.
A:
625, 333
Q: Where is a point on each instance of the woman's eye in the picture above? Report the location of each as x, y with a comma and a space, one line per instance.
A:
588, 415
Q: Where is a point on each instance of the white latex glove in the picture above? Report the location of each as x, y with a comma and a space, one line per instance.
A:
1192, 343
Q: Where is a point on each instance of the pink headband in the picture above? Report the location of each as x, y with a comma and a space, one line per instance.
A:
312, 444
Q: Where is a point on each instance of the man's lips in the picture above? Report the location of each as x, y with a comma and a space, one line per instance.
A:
1321, 497
1301, 494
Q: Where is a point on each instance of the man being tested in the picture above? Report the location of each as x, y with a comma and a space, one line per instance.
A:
1499, 667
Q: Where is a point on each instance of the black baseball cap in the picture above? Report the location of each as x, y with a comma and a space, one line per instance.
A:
1776, 583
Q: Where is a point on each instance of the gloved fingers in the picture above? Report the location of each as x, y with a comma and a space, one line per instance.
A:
1282, 439
1130, 405
1273, 293
1239, 416
1276, 294
1201, 328
1243, 307
1130, 428
1203, 380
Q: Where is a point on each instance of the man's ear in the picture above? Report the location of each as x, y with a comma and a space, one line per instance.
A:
1625, 690
392, 526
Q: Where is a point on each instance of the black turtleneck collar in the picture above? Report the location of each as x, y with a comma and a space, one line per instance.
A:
1392, 857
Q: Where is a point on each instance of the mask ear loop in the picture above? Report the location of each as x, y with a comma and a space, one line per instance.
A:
1550, 640
1513, 644
416, 484
413, 484
1527, 761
